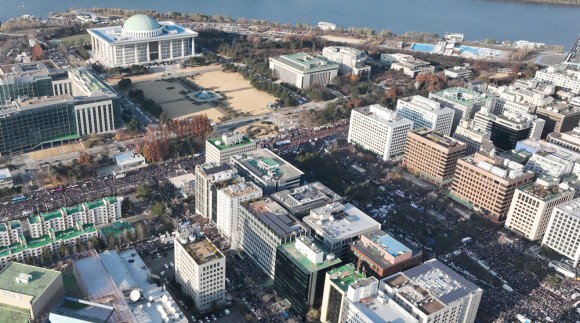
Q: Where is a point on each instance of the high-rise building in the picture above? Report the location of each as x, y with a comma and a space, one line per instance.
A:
334, 307
219, 150
300, 200
303, 70
379, 130
532, 206
268, 170
464, 102
562, 232
264, 225
434, 293
426, 113
141, 39
228, 204
200, 270
379, 254
487, 182
350, 60
338, 225
209, 177
301, 267
475, 138
432, 155
511, 127
559, 118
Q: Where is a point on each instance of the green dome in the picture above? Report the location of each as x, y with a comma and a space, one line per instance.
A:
141, 23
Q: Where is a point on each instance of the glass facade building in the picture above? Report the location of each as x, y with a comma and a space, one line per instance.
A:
30, 86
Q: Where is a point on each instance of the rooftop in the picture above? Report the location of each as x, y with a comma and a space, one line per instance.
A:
203, 250
306, 197
422, 103
116, 228
88, 311
339, 221
39, 281
5, 174
461, 95
51, 215
305, 62
89, 83
114, 34
268, 166
382, 115
181, 180
241, 189
344, 276
572, 208
13, 314
434, 136
380, 308
275, 217
40, 67
542, 192
209, 169
220, 144
302, 261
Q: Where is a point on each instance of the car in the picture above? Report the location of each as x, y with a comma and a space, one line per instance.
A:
171, 264
158, 255
166, 266
162, 273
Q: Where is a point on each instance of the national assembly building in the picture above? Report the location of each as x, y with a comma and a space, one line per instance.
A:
141, 39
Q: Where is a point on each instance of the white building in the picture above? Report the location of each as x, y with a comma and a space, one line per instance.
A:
141, 39
200, 270
303, 70
5, 178
457, 72
379, 130
475, 138
338, 225
408, 64
434, 293
129, 161
562, 232
464, 102
207, 176
184, 183
264, 225
228, 205
532, 206
219, 150
350, 60
300, 200
567, 79
426, 113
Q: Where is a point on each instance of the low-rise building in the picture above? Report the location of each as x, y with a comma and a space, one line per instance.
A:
432, 155
379, 130
561, 76
562, 231
129, 161
200, 270
426, 113
265, 225
219, 150
303, 70
569, 140
300, 200
379, 254
411, 66
338, 225
433, 292
301, 267
184, 183
457, 72
532, 206
350, 60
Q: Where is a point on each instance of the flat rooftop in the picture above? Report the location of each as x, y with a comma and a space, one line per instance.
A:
275, 217
340, 221
302, 261
203, 251
539, 146
434, 136
382, 115
89, 311
241, 189
39, 67
344, 276
383, 309
306, 197
461, 95
267, 165
181, 180
115, 266
5, 174
112, 34
219, 143
542, 192
305, 63
40, 279
572, 208
213, 168
89, 82
423, 103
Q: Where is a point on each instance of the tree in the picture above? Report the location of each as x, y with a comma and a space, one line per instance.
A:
313, 315
61, 249
140, 231
142, 191
157, 209
124, 84
133, 125
126, 206
45, 254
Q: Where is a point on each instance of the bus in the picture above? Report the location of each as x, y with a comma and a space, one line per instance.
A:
20, 198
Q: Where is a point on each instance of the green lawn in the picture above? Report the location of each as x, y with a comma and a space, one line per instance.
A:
76, 39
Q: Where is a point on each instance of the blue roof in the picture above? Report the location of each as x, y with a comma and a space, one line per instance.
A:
392, 246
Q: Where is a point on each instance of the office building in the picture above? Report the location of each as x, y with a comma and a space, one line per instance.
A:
569, 140
464, 102
200, 270
41, 104
210, 177
300, 200
426, 113
379, 254
511, 127
562, 77
141, 39
303, 70
476, 139
523, 96
338, 225
229, 200
433, 292
457, 72
301, 267
547, 158
559, 118
334, 307
270, 172
128, 161
5, 178
532, 206
350, 61
487, 182
379, 130
265, 225
28, 292
184, 183
432, 156
562, 231
73, 310
219, 150
409, 65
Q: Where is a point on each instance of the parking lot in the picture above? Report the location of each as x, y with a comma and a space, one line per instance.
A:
160, 263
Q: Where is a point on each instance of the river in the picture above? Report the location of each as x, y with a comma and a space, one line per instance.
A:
477, 19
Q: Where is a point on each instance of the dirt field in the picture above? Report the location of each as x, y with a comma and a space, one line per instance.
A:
56, 151
240, 94
174, 104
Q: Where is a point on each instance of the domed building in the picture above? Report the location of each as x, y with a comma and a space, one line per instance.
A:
141, 39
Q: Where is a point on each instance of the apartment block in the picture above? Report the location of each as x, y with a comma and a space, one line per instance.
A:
487, 182
219, 150
532, 206
426, 113
377, 129
432, 155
